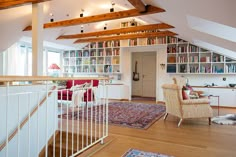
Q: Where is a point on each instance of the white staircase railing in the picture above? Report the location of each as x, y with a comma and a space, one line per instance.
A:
38, 119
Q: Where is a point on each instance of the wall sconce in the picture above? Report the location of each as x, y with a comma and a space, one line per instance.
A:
163, 66
82, 27
112, 7
82, 13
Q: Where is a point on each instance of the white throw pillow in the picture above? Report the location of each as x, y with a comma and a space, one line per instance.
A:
78, 87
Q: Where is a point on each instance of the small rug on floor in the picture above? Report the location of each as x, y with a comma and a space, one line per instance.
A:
128, 114
138, 153
228, 119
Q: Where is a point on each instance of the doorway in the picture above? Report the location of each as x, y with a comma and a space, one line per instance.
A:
144, 75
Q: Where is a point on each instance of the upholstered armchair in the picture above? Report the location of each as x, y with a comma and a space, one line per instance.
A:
190, 108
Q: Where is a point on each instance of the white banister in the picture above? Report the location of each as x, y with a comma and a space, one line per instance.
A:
42, 120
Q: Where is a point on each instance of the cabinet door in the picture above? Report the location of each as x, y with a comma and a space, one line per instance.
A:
227, 97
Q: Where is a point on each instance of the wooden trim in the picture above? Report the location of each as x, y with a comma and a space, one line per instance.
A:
100, 17
26, 119
127, 36
118, 31
138, 4
46, 78
5, 4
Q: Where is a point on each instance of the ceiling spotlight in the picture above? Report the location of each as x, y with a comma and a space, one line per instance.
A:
112, 7
105, 27
82, 29
51, 19
133, 22
82, 13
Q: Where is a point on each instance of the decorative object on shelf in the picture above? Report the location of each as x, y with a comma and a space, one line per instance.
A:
135, 73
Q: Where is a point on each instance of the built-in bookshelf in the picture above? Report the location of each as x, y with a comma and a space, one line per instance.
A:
95, 58
186, 58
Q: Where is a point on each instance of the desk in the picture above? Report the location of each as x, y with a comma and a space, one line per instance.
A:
218, 100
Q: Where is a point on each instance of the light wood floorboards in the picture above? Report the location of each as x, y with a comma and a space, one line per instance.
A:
194, 138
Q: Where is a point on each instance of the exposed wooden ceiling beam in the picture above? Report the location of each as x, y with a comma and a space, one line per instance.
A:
101, 17
5, 4
138, 4
118, 31
126, 36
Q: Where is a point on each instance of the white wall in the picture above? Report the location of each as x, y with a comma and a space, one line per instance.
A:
1, 63
126, 67
162, 76
17, 109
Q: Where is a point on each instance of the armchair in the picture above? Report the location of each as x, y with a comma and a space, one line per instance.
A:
190, 108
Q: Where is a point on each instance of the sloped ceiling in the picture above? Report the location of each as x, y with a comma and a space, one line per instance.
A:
14, 20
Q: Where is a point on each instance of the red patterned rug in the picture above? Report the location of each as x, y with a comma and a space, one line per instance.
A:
128, 114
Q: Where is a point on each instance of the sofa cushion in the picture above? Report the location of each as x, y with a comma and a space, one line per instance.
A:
67, 95
69, 83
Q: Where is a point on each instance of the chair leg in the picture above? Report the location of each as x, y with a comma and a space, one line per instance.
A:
209, 119
180, 121
165, 116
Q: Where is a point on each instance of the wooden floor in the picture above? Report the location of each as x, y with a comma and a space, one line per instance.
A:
194, 138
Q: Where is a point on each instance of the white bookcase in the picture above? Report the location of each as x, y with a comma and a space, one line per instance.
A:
95, 58
186, 58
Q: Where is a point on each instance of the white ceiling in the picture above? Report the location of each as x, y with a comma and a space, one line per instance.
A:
219, 12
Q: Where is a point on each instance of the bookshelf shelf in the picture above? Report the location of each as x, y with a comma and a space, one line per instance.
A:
186, 58
96, 58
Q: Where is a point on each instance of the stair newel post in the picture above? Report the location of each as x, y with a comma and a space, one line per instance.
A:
73, 109
106, 97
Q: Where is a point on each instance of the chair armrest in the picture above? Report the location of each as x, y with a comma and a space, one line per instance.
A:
195, 101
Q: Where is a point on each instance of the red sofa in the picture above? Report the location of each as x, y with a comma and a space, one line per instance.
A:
64, 93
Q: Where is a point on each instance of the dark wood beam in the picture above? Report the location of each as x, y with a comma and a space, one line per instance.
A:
138, 4
5, 4
101, 17
126, 36
118, 31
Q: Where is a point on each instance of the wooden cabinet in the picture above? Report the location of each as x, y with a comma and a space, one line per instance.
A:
114, 91
227, 96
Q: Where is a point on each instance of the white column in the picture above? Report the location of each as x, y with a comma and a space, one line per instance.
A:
37, 39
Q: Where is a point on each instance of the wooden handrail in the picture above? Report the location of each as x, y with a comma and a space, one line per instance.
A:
26, 119
46, 78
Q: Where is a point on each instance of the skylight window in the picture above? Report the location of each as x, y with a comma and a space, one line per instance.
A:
212, 28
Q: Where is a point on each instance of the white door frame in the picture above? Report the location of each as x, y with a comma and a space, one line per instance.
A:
131, 69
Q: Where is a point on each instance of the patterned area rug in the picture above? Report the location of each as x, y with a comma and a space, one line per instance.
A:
134, 115
138, 153
229, 119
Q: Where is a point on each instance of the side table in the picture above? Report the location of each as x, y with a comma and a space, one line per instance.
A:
218, 101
